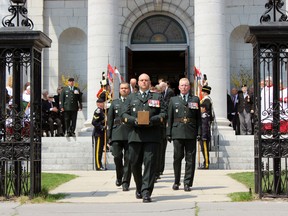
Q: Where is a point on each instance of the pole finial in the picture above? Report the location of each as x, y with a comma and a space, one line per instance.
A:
18, 16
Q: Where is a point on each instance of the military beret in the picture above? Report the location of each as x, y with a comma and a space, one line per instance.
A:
206, 89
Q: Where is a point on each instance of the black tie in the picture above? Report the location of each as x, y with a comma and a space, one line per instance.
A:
184, 98
124, 100
143, 94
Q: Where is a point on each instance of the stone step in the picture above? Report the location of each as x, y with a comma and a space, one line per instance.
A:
75, 153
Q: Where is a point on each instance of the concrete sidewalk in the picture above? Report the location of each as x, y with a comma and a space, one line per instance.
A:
95, 193
99, 187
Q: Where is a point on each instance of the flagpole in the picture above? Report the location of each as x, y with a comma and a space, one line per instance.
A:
105, 121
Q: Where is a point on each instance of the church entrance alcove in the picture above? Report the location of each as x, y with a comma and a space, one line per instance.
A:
159, 48
169, 65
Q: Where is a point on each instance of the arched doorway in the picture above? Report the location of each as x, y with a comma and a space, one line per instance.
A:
158, 47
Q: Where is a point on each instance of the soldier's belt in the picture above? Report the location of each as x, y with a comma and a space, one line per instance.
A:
117, 122
184, 120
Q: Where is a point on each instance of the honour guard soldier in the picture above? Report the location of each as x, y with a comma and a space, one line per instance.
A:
207, 117
98, 122
184, 127
118, 138
144, 111
71, 102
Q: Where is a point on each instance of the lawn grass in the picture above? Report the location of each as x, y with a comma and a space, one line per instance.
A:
49, 182
246, 178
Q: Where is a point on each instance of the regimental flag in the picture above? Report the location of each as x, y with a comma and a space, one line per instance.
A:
197, 82
121, 79
110, 72
115, 79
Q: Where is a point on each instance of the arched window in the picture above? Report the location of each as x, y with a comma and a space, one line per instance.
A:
158, 29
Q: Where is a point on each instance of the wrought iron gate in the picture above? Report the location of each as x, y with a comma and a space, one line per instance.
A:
20, 125
270, 59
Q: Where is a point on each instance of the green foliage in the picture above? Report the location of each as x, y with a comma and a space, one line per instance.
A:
243, 76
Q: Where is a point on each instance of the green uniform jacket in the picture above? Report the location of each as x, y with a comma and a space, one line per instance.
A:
157, 112
117, 130
71, 100
178, 111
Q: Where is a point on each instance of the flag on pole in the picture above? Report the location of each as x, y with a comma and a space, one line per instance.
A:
116, 84
197, 82
110, 73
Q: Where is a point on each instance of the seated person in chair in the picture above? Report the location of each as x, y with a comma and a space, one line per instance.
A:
51, 115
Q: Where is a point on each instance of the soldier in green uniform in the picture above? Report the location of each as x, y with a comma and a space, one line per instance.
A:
184, 127
118, 138
143, 138
207, 118
70, 104
98, 134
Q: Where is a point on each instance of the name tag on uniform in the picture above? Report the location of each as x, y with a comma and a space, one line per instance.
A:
193, 105
154, 103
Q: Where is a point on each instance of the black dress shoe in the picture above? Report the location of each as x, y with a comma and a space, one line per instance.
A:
175, 186
187, 188
68, 135
147, 198
138, 195
118, 182
125, 187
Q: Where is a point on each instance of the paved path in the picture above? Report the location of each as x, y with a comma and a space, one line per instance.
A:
99, 187
95, 193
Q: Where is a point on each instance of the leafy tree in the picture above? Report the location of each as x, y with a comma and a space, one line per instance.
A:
243, 76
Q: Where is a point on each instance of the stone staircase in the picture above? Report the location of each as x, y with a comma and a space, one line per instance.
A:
75, 153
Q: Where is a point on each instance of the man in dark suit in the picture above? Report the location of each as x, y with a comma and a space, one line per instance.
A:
167, 93
51, 114
184, 127
144, 111
70, 104
244, 109
118, 138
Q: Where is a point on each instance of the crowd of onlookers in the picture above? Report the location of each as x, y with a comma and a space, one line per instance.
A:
59, 112
240, 108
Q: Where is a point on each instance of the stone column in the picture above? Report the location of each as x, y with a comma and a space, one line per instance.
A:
103, 45
210, 50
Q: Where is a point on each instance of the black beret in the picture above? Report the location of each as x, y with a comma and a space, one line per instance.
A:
206, 89
71, 79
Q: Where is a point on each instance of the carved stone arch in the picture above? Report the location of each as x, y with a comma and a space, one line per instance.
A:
72, 52
146, 10
240, 57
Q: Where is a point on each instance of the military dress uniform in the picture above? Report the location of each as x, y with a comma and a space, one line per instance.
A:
143, 139
98, 122
207, 118
71, 101
183, 127
118, 135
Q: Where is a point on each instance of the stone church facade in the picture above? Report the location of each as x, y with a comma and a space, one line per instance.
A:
165, 38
